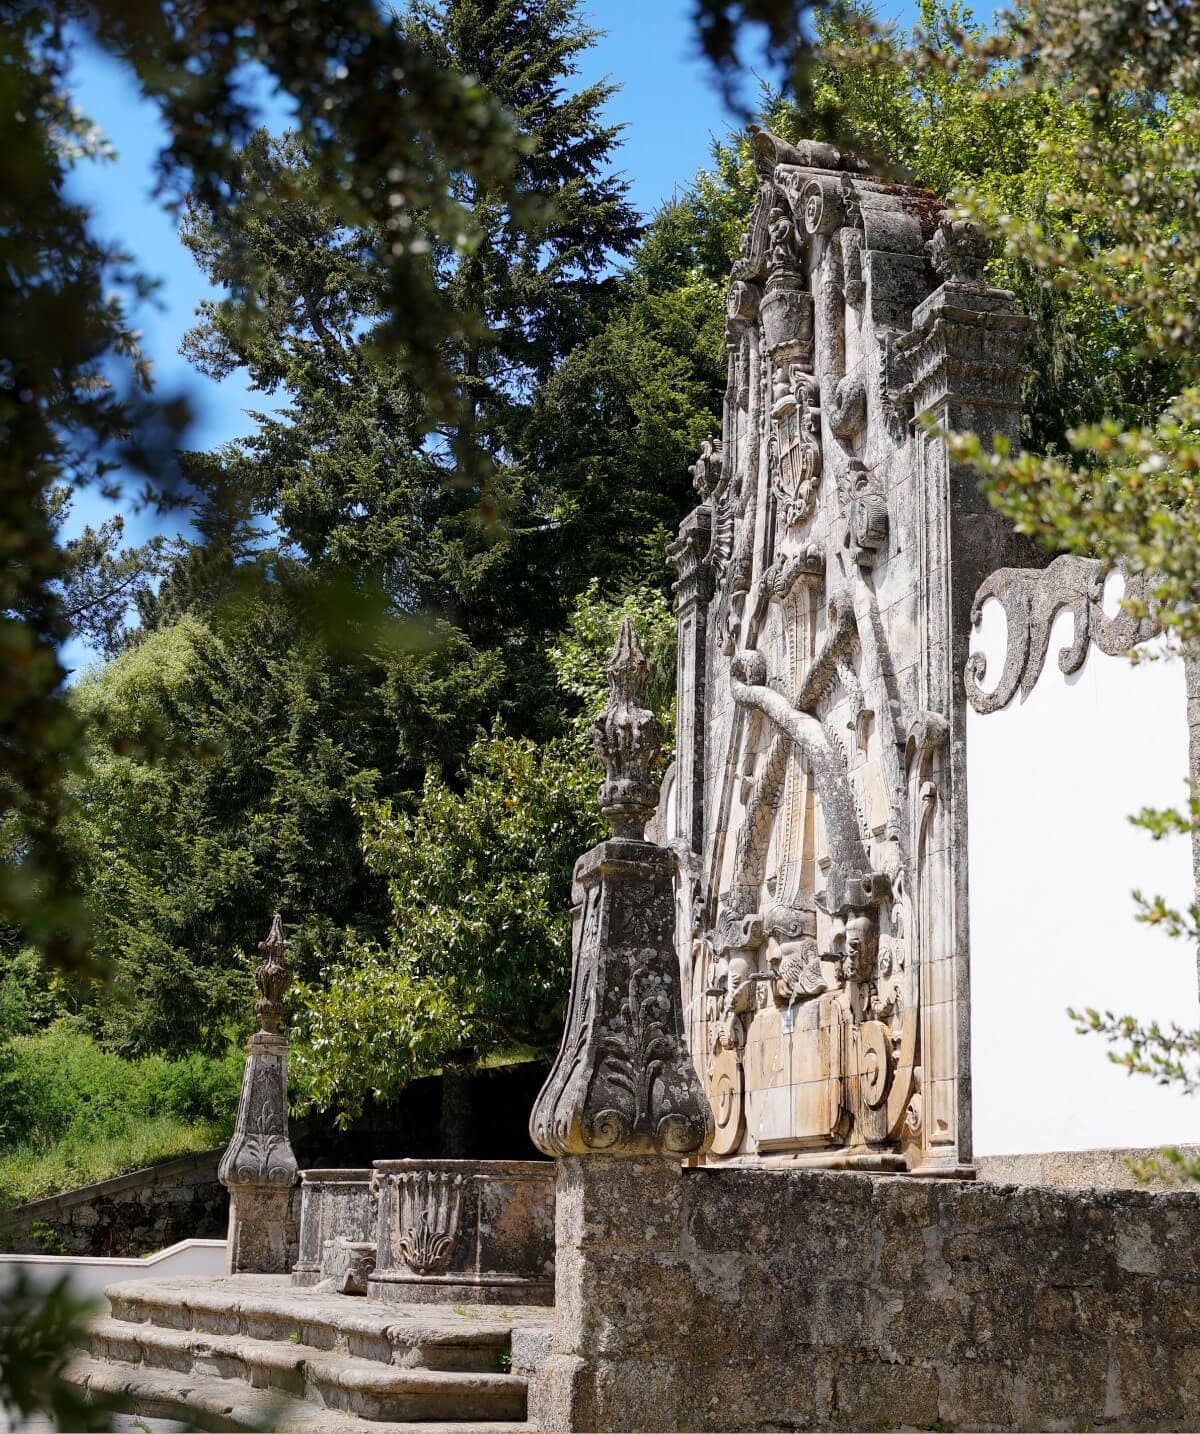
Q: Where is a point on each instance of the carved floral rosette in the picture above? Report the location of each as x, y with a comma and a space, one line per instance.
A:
820, 925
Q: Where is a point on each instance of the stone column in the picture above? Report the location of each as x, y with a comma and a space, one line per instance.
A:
689, 556
258, 1168
623, 1105
962, 360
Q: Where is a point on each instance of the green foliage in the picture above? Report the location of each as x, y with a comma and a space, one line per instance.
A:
33, 1172
60, 1084
222, 788
478, 882
360, 602
387, 122
612, 432
47, 1238
72, 1113
30, 995
40, 1332
1170, 1054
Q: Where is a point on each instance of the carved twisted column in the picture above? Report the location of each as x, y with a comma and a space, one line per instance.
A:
258, 1167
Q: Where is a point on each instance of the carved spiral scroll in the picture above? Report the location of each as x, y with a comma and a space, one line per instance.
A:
1031, 599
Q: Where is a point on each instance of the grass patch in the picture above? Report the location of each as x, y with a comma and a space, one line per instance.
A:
73, 1113
31, 1172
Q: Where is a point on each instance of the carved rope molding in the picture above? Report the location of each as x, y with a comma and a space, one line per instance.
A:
1031, 599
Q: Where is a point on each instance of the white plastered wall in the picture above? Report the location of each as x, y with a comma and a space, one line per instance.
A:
1053, 861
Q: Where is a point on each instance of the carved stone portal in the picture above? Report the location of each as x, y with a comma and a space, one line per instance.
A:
815, 814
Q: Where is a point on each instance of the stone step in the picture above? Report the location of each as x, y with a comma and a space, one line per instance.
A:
210, 1402
327, 1378
269, 1307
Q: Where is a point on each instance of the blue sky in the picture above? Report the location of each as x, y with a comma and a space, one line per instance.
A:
668, 103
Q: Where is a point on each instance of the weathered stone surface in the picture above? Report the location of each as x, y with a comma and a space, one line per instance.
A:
255, 1352
817, 811
258, 1167
1083, 1169
738, 1298
453, 1231
333, 1204
623, 1083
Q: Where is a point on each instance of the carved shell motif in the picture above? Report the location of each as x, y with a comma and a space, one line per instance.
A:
429, 1204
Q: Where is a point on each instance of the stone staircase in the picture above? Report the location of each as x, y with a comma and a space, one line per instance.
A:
255, 1352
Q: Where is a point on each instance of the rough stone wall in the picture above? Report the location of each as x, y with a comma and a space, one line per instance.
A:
133, 1214
741, 1298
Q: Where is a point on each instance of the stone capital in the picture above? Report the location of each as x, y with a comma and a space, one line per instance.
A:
689, 556
966, 344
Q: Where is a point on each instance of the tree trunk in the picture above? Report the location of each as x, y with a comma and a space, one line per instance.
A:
456, 1113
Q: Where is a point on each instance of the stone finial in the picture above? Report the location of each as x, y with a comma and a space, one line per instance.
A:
959, 250
272, 978
624, 1083
706, 471
258, 1167
628, 739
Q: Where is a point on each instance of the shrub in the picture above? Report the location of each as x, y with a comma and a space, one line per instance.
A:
60, 1083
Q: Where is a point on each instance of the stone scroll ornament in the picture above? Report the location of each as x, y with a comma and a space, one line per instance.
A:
258, 1167
1031, 599
624, 1082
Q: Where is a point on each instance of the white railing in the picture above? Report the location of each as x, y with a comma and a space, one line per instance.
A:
92, 1274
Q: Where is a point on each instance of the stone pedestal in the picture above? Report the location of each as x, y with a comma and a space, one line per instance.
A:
623, 1082
258, 1167
464, 1232
333, 1204
617, 1226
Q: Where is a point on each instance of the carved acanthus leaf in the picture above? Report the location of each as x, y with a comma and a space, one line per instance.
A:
429, 1204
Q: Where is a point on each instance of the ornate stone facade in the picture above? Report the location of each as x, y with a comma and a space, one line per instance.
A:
824, 583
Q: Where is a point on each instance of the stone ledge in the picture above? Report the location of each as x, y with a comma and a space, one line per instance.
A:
1079, 1169
214, 1403
169, 1172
